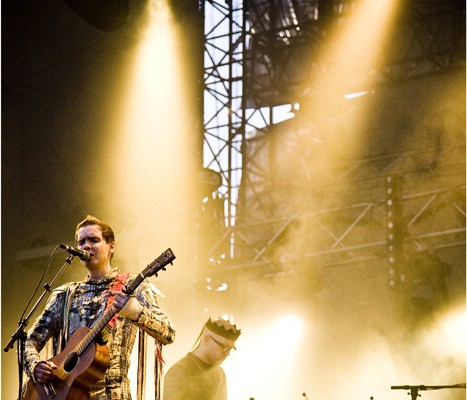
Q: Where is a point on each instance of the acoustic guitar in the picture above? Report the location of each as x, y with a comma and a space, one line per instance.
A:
83, 361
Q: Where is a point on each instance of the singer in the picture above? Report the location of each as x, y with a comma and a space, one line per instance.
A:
83, 304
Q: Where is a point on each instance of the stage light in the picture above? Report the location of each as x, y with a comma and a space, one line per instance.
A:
292, 324
447, 337
263, 365
350, 96
148, 156
394, 229
147, 148
222, 287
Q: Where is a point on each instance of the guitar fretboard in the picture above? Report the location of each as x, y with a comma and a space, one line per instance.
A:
95, 330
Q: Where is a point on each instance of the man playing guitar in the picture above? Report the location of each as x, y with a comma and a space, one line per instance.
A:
75, 305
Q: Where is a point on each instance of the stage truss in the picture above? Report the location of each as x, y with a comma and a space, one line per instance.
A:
253, 68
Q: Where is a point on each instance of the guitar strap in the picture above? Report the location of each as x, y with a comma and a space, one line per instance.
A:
117, 286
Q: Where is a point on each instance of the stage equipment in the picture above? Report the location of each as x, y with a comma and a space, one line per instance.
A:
414, 389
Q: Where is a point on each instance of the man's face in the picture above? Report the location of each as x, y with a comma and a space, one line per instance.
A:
90, 238
220, 347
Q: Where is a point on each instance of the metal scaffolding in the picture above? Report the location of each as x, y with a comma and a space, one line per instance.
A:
254, 54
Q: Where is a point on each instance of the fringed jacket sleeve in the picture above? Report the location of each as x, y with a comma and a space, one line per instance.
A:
153, 319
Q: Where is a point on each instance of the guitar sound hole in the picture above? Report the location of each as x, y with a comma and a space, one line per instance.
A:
70, 362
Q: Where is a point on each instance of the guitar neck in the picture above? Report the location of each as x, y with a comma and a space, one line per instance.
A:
95, 330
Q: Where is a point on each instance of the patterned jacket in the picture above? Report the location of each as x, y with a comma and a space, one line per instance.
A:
78, 304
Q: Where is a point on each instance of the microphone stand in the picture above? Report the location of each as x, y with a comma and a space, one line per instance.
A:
414, 389
20, 334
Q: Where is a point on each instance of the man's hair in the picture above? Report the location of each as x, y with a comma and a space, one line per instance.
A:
107, 232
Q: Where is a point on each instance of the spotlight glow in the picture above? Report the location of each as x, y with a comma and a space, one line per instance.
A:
292, 324
149, 149
354, 49
148, 157
263, 365
350, 96
447, 338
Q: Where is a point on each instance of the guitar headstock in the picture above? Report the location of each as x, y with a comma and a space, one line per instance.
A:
152, 269
160, 263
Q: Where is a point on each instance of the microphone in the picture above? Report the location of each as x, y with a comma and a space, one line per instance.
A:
82, 254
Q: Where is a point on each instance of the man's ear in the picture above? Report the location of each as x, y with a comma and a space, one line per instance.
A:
111, 247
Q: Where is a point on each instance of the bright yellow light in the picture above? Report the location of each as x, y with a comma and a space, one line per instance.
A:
291, 324
350, 96
448, 336
354, 46
352, 52
366, 27
264, 363
151, 138
149, 155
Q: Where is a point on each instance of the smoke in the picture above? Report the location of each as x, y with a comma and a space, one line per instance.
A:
319, 261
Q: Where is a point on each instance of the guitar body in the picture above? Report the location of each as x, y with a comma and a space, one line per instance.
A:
74, 375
